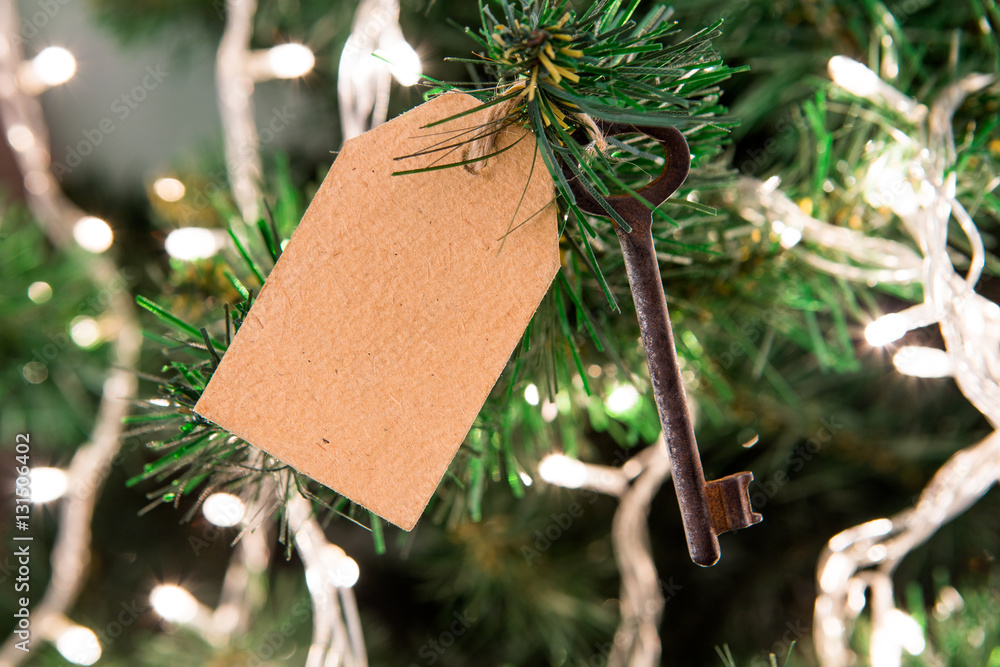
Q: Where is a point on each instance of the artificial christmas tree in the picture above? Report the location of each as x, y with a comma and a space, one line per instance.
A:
860, 192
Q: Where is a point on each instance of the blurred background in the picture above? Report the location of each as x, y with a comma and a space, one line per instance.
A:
123, 128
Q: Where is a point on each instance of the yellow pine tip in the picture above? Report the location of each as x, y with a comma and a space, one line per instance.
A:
560, 116
553, 71
568, 74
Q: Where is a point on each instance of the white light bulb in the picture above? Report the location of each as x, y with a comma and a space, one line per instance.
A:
174, 603
169, 189
832, 626
949, 600
907, 631
288, 61
884, 650
852, 76
856, 599
550, 411
857, 79
54, 66
85, 331
622, 399
866, 531
223, 509
531, 394
563, 471
770, 185
789, 237
403, 61
886, 329
341, 570
20, 137
47, 484
525, 478
39, 292
190, 243
887, 185
876, 553
79, 645
838, 569
93, 234
345, 573
922, 362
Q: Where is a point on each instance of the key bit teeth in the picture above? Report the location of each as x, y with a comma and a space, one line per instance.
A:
729, 503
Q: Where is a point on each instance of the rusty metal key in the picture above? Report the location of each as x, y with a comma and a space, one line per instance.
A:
711, 508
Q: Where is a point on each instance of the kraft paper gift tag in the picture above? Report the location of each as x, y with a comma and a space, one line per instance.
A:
392, 311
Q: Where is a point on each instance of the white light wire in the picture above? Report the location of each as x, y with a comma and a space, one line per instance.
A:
338, 640
92, 462
236, 69
243, 587
970, 326
635, 484
235, 86
364, 79
875, 260
957, 485
337, 636
19, 109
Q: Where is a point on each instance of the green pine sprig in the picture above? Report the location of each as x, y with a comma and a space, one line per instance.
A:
558, 72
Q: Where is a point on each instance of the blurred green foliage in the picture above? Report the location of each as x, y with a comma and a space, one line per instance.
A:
774, 349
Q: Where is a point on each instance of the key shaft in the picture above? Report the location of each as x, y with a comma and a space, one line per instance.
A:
707, 508
668, 390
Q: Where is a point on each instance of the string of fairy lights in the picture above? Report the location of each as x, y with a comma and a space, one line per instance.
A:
237, 68
362, 80
913, 177
21, 81
376, 52
330, 573
635, 483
